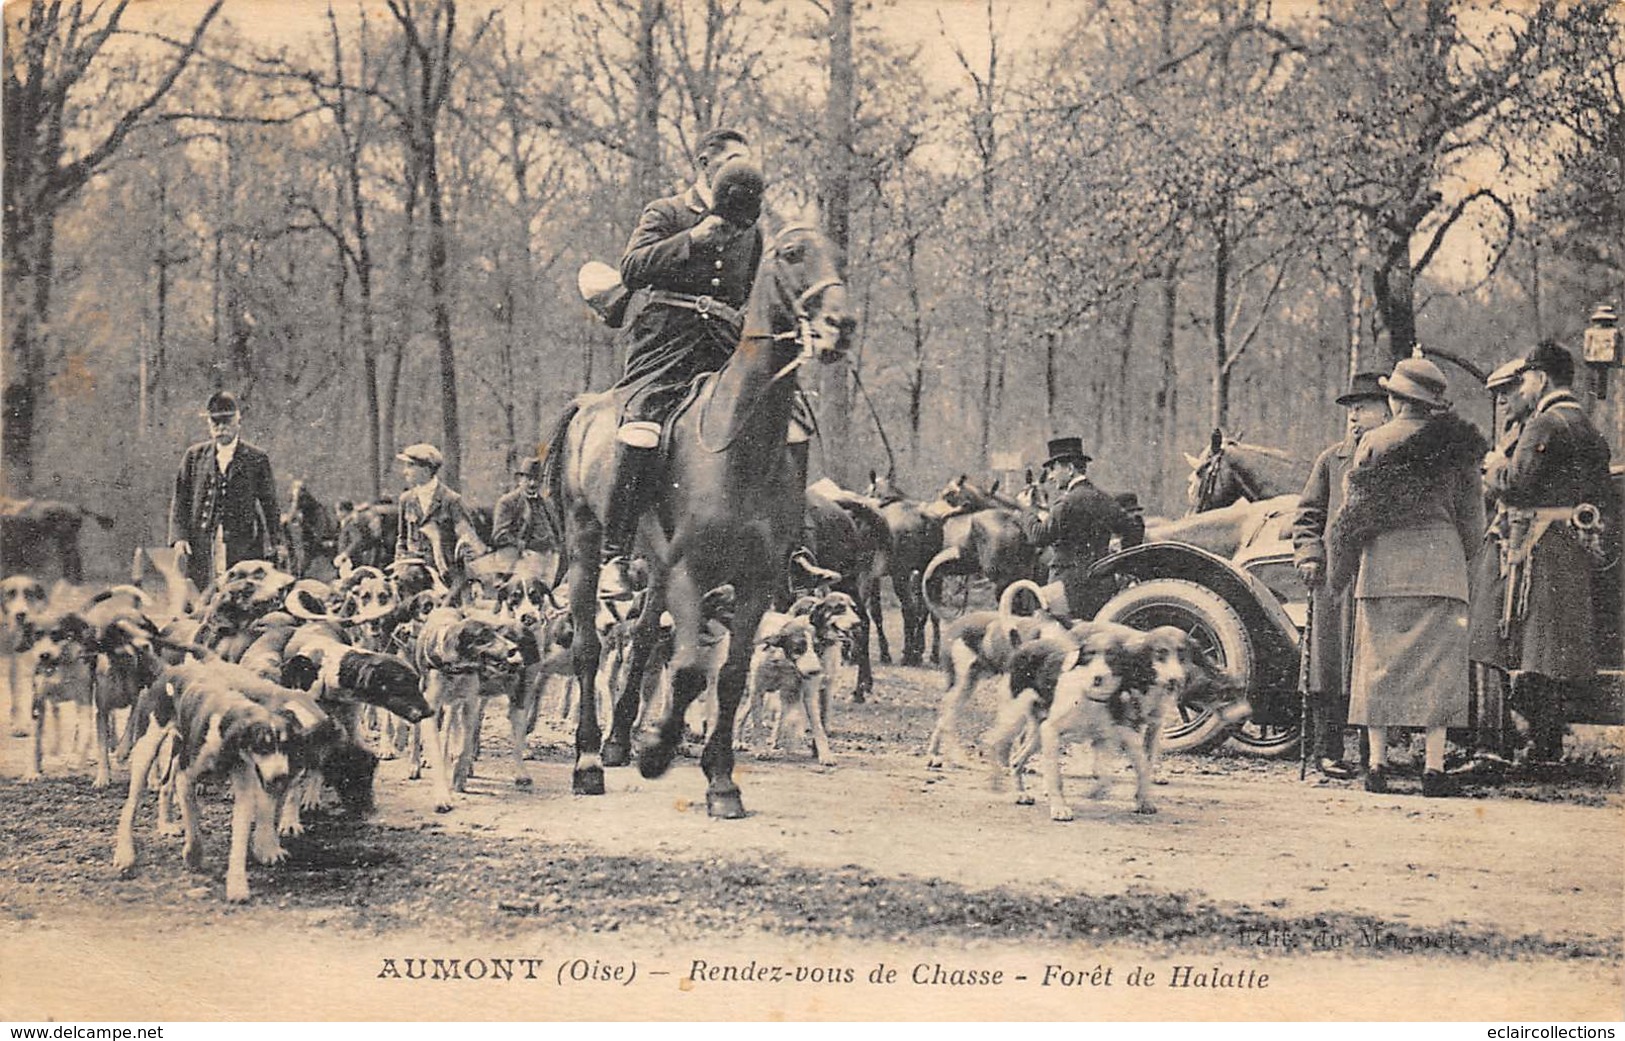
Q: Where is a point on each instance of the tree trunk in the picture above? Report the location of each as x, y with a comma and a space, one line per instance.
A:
1167, 398
1394, 286
836, 412
452, 430
1221, 331
646, 132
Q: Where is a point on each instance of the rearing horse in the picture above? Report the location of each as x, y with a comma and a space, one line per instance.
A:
729, 507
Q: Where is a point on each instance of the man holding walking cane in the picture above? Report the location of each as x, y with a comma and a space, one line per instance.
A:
1323, 674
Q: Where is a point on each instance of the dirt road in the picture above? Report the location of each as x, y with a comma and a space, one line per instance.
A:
1510, 903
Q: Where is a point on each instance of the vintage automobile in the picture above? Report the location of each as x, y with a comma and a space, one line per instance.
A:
1248, 613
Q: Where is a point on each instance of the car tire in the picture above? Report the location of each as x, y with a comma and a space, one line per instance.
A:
1218, 629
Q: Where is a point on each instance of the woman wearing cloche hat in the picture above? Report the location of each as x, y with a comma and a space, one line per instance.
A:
1412, 516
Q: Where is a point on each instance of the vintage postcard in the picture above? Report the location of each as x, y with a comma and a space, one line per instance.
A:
403, 623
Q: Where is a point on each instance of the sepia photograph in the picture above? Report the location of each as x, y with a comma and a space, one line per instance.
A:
792, 510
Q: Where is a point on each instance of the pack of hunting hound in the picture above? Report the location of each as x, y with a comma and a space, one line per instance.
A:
287, 690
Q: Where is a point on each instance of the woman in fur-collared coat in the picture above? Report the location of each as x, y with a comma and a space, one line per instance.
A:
1410, 521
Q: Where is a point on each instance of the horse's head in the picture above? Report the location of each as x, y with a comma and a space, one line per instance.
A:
806, 292
1032, 495
884, 487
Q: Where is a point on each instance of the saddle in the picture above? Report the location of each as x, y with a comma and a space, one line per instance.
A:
700, 388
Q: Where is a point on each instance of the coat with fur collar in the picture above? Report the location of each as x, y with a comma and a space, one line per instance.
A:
1413, 514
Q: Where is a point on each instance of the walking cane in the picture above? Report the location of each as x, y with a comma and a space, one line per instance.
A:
1304, 645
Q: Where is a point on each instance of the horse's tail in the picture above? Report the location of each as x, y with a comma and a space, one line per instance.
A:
873, 528
948, 555
553, 485
1007, 599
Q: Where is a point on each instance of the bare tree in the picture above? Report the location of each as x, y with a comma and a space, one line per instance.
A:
56, 60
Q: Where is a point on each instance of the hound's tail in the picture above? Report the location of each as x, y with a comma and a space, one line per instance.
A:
1007, 599
948, 555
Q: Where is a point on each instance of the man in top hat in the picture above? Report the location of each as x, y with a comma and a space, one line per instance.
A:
1081, 519
694, 255
1366, 404
518, 520
435, 526
1410, 522
224, 508
1559, 462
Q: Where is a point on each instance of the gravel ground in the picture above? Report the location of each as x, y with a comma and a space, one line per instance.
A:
1516, 886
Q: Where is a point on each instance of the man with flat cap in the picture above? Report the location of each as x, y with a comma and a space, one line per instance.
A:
224, 508
518, 521
1366, 403
1081, 519
435, 526
1560, 462
694, 258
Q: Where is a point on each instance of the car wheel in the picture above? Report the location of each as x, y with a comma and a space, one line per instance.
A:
1217, 629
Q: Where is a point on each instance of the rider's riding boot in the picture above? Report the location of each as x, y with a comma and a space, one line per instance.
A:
637, 457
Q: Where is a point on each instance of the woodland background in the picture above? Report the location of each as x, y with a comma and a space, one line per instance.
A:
1125, 219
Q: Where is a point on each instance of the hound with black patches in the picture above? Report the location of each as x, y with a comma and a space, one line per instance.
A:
1099, 684
980, 646
220, 720
834, 619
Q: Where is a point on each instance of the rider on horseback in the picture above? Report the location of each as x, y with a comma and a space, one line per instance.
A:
695, 256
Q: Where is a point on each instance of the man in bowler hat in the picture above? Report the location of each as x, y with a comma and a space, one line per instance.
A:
518, 520
224, 508
1366, 403
1081, 519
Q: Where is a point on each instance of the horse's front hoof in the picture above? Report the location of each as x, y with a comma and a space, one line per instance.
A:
655, 759
616, 753
726, 806
861, 694
588, 780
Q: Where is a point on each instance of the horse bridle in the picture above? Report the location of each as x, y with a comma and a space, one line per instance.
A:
801, 336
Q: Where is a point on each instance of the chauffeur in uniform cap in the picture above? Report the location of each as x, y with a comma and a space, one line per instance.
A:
224, 508
1081, 520
1559, 462
1367, 405
694, 255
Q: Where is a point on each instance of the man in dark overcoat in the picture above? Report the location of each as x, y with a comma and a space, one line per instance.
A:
693, 256
435, 526
1081, 519
1367, 405
1560, 462
224, 508
518, 520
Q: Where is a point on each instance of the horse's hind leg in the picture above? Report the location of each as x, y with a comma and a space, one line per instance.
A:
877, 616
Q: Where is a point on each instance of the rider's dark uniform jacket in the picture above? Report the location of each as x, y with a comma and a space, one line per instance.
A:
668, 344
518, 521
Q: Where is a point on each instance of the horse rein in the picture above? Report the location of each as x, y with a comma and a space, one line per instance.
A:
801, 336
